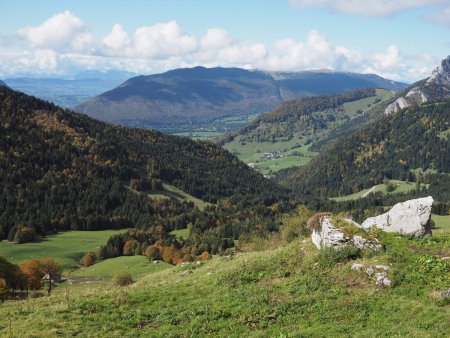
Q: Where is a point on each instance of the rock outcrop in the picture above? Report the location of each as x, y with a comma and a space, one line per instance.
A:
330, 235
407, 218
426, 90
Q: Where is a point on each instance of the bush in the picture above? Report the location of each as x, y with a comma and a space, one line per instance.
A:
123, 278
24, 234
153, 253
88, 259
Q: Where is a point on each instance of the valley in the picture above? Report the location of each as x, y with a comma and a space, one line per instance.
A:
270, 144
194, 178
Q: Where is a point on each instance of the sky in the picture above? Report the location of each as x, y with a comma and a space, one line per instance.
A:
398, 39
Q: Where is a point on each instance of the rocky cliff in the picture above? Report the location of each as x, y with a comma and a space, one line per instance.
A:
437, 86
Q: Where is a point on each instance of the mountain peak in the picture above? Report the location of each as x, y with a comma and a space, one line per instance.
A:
436, 87
441, 74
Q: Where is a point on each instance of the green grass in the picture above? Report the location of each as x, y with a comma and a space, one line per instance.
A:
183, 233
138, 266
442, 223
169, 191
65, 247
401, 187
286, 292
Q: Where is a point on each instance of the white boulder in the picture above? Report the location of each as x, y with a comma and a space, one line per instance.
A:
407, 218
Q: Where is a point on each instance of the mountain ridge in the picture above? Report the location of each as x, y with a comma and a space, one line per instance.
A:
190, 95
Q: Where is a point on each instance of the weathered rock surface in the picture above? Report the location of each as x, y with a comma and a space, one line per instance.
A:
425, 91
379, 273
407, 218
331, 236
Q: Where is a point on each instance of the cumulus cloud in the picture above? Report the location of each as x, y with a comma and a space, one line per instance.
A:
161, 41
372, 8
64, 42
58, 32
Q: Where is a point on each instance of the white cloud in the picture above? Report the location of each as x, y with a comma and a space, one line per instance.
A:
161, 41
315, 53
441, 16
42, 59
371, 8
64, 43
58, 32
117, 39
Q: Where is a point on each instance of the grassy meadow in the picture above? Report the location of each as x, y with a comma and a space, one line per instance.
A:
137, 266
289, 291
66, 248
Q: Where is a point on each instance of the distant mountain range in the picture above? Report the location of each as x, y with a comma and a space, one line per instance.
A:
70, 90
193, 95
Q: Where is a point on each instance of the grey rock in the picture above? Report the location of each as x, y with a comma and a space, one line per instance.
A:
330, 236
370, 271
382, 280
407, 218
440, 77
357, 267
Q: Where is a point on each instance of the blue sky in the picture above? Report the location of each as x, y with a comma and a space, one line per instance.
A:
401, 39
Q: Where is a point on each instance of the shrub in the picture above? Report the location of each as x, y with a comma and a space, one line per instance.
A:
88, 259
153, 253
123, 278
313, 222
24, 234
204, 256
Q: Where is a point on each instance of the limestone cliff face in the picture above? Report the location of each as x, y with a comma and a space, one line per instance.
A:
437, 86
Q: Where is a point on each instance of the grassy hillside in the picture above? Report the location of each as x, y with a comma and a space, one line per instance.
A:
389, 187
295, 126
292, 291
65, 247
137, 266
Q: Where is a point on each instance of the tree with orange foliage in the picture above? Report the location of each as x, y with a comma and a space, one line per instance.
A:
153, 253
32, 270
204, 256
48, 265
88, 259
131, 247
170, 255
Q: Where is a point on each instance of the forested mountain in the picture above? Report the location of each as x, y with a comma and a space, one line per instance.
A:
2, 83
398, 146
184, 97
305, 116
63, 170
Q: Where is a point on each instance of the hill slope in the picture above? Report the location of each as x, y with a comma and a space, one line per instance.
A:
296, 127
290, 291
397, 146
63, 170
196, 95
